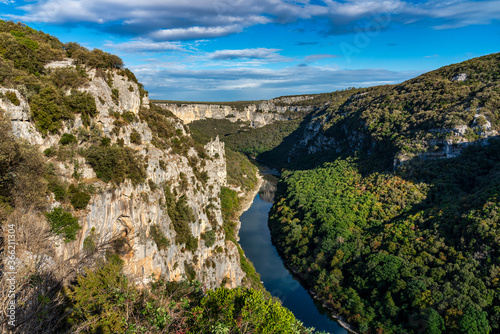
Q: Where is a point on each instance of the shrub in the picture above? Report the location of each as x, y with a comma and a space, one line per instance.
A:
129, 117
192, 243
82, 103
89, 243
50, 152
190, 271
114, 163
135, 137
159, 238
64, 78
67, 138
115, 95
218, 310
63, 223
152, 185
48, 110
78, 197
209, 237
105, 141
12, 98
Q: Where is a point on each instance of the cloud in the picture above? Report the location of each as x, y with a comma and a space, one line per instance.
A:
312, 58
165, 20
194, 33
256, 83
145, 46
258, 53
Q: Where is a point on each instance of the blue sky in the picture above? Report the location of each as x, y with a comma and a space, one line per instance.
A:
226, 50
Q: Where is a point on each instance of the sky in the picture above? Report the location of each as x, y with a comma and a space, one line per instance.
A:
229, 50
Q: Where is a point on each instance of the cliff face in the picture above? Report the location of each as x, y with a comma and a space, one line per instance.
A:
444, 142
258, 114
128, 212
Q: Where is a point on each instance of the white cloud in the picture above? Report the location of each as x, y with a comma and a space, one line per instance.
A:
194, 32
145, 46
316, 57
258, 53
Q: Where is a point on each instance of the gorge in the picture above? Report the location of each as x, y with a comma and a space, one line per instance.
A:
126, 210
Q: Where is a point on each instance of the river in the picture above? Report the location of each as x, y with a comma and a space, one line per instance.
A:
255, 239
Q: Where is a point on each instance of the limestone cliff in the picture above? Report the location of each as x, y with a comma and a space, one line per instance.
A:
258, 113
440, 142
128, 211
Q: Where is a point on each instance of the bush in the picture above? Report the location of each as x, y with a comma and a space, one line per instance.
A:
219, 308
129, 117
12, 98
159, 238
48, 110
152, 185
78, 197
114, 163
105, 141
229, 203
209, 237
63, 223
82, 103
89, 243
115, 95
67, 138
191, 243
181, 215
190, 271
50, 152
135, 137
64, 78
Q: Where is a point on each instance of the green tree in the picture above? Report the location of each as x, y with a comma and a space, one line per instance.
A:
474, 321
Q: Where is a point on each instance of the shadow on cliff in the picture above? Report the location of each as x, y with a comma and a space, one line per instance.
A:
373, 155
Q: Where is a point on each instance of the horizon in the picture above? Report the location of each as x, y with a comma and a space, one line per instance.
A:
221, 51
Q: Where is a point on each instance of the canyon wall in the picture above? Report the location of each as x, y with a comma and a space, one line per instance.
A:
128, 212
257, 114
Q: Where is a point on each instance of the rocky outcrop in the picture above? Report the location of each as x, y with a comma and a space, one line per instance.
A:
22, 127
126, 212
258, 114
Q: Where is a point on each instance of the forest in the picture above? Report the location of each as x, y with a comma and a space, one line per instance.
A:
409, 247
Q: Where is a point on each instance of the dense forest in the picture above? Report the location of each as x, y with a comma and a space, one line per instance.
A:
412, 249
383, 223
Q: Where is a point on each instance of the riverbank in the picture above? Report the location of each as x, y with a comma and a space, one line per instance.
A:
246, 202
338, 318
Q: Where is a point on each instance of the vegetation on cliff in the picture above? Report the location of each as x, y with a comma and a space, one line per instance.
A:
84, 290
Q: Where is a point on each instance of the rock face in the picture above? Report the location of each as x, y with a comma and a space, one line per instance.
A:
459, 77
258, 114
129, 212
314, 140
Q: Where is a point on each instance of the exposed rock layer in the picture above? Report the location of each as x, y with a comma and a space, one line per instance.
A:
258, 114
